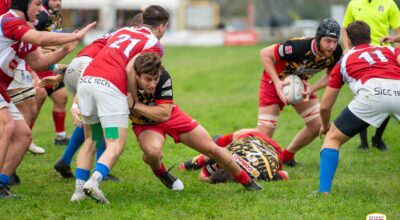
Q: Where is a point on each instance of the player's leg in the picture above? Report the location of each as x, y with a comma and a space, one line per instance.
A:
84, 159
40, 97
377, 139
7, 126
60, 99
364, 139
200, 140
345, 126
310, 112
151, 142
63, 165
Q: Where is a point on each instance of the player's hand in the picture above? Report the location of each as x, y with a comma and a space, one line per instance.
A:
307, 90
81, 33
386, 39
36, 83
323, 130
279, 89
76, 115
51, 81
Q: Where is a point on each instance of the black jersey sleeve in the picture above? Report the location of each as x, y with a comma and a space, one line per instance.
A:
164, 92
293, 49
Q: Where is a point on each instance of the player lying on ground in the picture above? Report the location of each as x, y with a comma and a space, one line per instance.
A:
258, 155
373, 73
156, 115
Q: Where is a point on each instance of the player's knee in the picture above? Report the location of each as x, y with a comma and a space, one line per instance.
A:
7, 129
267, 121
311, 116
152, 154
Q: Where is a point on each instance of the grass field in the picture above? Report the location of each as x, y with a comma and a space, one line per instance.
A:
219, 87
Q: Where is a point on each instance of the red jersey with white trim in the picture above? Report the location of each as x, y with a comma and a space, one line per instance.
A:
12, 50
298, 56
126, 43
4, 6
365, 62
94, 48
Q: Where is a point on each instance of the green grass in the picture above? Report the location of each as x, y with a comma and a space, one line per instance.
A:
219, 87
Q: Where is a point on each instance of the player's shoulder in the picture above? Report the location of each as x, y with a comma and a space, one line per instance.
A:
296, 46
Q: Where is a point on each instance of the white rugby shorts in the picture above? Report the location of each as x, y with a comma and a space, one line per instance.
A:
74, 72
376, 100
101, 101
22, 80
15, 113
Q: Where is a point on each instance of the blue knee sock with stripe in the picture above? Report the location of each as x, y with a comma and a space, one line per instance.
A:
328, 164
77, 138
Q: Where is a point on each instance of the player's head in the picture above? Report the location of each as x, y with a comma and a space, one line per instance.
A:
53, 5
30, 8
137, 20
327, 36
358, 33
156, 17
148, 69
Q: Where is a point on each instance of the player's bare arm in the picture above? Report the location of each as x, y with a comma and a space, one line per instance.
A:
131, 76
52, 39
40, 61
158, 113
327, 102
267, 56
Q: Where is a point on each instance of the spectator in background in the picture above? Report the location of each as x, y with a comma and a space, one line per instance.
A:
380, 15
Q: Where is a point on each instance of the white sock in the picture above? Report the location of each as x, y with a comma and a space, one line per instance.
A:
61, 134
79, 185
97, 176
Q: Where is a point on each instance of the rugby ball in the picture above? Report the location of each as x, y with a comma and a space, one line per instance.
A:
293, 91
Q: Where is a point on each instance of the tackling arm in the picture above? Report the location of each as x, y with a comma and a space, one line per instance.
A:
158, 113
327, 102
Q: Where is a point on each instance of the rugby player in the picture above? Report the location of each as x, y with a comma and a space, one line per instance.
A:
18, 42
304, 57
103, 100
156, 115
373, 74
258, 155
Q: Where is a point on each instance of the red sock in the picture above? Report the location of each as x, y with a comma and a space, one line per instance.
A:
243, 178
287, 155
59, 121
225, 140
200, 161
160, 171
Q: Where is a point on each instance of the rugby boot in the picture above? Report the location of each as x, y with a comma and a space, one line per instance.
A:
378, 143
91, 188
111, 178
33, 148
253, 186
63, 169
78, 195
15, 180
61, 140
290, 163
170, 181
5, 192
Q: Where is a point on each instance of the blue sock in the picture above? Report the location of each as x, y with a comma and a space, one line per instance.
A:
101, 149
4, 179
82, 174
329, 162
102, 169
77, 138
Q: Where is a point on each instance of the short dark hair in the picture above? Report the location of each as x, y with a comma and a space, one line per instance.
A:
155, 16
359, 32
148, 63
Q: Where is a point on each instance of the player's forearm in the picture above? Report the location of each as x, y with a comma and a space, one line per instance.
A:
321, 83
45, 60
345, 40
267, 59
158, 113
43, 39
325, 116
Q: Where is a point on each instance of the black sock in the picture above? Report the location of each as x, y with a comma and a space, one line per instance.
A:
381, 129
363, 137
